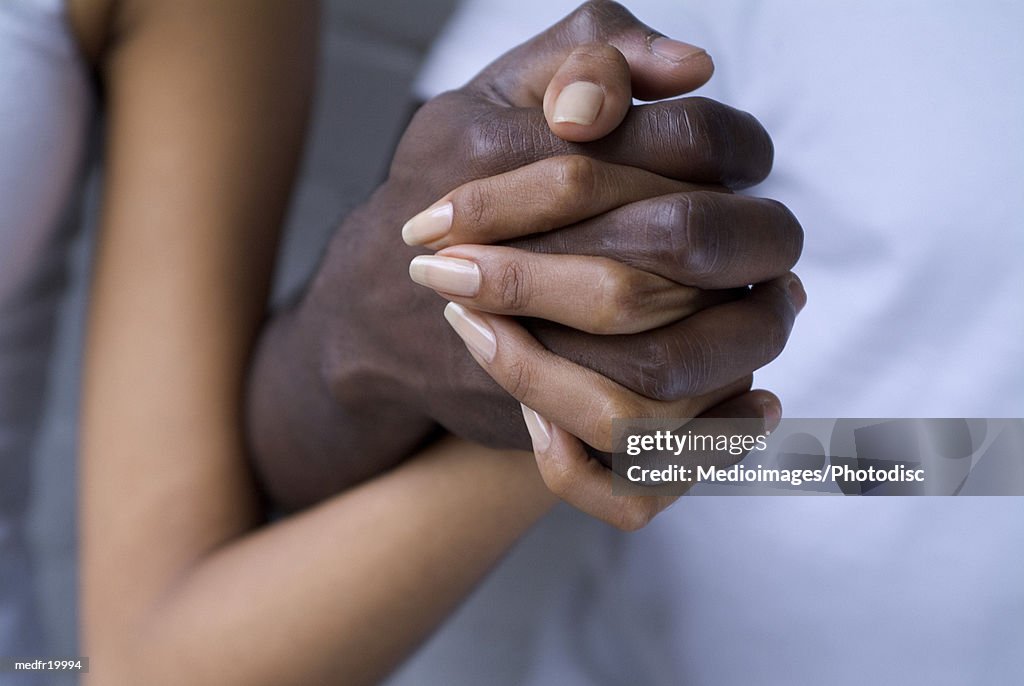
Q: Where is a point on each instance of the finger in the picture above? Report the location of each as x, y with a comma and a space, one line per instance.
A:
592, 294
750, 405
579, 400
582, 481
686, 359
659, 67
589, 95
693, 139
545, 195
704, 239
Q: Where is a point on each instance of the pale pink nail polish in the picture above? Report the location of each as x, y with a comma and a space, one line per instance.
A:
539, 428
446, 274
429, 225
473, 331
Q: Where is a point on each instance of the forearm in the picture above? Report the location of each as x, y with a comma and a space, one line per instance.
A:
347, 588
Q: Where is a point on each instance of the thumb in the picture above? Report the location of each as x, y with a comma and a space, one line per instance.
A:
606, 49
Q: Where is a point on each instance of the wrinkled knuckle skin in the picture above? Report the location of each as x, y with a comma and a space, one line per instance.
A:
639, 235
623, 298
725, 145
659, 372
483, 149
518, 378
574, 182
493, 142
612, 408
512, 289
696, 369
673, 216
706, 252
676, 365
708, 138
473, 203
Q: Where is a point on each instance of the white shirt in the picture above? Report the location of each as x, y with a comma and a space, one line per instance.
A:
899, 134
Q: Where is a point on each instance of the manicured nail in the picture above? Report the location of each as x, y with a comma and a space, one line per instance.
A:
797, 293
579, 103
673, 50
772, 416
539, 428
473, 331
446, 274
429, 225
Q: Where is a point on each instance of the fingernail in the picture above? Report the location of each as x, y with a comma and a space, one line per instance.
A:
797, 294
673, 50
539, 428
446, 274
473, 331
429, 225
772, 416
579, 103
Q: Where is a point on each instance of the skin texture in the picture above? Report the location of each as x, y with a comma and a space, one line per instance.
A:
182, 579
364, 368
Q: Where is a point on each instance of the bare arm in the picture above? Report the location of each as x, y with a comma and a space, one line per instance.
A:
180, 584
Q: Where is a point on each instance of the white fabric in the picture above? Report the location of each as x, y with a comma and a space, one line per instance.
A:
899, 133
44, 106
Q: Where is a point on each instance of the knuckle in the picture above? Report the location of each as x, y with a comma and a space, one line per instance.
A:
696, 364
654, 248
667, 227
706, 133
655, 371
634, 516
623, 297
489, 144
574, 181
705, 252
518, 378
495, 141
613, 406
727, 146
472, 202
512, 290
677, 366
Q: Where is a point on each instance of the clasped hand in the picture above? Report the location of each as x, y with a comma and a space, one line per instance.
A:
598, 263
